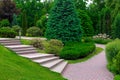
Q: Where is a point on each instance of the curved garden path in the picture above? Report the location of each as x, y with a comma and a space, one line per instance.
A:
93, 69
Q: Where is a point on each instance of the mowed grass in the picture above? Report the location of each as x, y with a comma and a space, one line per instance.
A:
14, 67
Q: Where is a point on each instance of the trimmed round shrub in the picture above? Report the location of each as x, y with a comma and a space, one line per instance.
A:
117, 62
112, 50
7, 32
16, 28
34, 32
117, 77
4, 23
76, 50
87, 39
38, 43
54, 47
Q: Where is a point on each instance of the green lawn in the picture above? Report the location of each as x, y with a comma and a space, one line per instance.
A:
97, 51
14, 67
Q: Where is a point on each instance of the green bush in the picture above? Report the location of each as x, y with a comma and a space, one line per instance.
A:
112, 50
16, 28
117, 77
54, 47
4, 23
116, 27
87, 39
117, 62
7, 32
38, 43
102, 41
76, 50
34, 32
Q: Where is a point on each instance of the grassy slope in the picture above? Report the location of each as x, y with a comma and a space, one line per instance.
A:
14, 67
97, 51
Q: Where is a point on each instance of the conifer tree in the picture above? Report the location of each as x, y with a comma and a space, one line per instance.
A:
63, 22
24, 22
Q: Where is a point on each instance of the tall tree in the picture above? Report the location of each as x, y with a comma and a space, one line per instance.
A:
116, 27
105, 21
80, 4
94, 11
14, 21
7, 9
32, 7
86, 23
24, 23
63, 23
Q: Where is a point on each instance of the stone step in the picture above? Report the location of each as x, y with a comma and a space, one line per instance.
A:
27, 52
52, 63
23, 49
59, 68
9, 40
44, 60
37, 56
19, 46
8, 44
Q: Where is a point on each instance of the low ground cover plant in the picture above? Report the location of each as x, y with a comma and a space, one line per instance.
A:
76, 50
54, 46
37, 43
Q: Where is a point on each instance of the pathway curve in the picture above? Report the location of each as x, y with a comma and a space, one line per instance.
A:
93, 69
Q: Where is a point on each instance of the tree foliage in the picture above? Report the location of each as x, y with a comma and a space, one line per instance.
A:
4, 23
33, 10
116, 27
63, 23
24, 22
7, 9
86, 23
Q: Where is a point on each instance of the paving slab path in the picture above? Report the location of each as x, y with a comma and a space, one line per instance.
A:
93, 69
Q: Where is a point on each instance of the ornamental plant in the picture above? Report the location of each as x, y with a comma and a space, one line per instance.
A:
63, 22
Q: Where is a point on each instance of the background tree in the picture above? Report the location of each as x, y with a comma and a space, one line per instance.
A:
41, 23
94, 12
14, 21
7, 9
80, 4
63, 23
24, 23
33, 10
4, 23
86, 23
105, 21
116, 27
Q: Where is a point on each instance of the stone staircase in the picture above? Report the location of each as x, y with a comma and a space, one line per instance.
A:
50, 61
